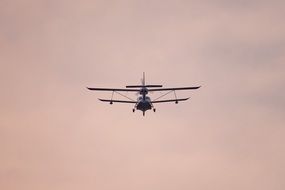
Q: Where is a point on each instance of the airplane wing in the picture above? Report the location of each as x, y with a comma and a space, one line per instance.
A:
169, 89
118, 101
114, 89
172, 100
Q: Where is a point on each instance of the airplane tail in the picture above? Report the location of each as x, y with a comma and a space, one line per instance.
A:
143, 79
143, 84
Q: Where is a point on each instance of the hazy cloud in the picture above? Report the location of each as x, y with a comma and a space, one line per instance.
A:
54, 134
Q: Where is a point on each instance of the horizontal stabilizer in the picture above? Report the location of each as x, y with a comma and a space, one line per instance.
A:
170, 89
146, 86
118, 101
172, 100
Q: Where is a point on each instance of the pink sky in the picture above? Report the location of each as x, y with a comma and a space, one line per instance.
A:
54, 134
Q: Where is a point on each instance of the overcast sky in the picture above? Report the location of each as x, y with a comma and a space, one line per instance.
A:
55, 134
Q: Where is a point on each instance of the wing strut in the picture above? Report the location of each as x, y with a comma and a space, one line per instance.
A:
176, 100
111, 102
175, 97
163, 95
124, 96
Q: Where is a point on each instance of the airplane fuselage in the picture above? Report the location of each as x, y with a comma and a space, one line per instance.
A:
144, 104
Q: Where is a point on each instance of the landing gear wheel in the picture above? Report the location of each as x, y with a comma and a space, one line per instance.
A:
134, 110
154, 110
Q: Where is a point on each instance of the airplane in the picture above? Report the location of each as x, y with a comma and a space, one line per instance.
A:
143, 102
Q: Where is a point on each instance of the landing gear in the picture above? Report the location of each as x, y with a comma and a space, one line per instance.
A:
176, 102
134, 110
154, 110
111, 102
